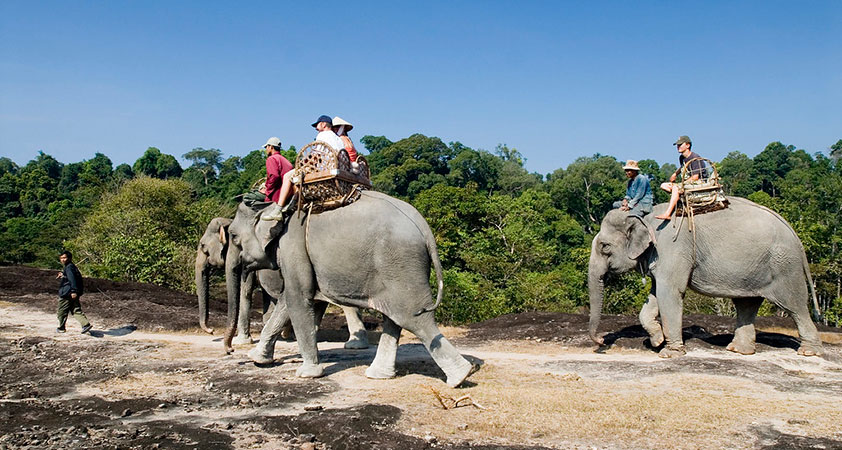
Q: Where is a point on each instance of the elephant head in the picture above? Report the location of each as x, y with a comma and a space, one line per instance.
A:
617, 248
247, 253
210, 253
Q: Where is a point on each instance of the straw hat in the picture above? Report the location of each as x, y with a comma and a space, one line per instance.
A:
337, 121
631, 165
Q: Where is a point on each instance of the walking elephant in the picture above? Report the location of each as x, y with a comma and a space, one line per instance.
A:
374, 253
243, 262
210, 254
745, 252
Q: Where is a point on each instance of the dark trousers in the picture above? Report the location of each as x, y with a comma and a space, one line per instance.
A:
71, 306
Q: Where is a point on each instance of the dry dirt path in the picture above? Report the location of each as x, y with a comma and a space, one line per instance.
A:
125, 388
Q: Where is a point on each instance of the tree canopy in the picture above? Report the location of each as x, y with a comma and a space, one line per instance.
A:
509, 240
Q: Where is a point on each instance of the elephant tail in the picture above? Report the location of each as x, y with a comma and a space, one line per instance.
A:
817, 312
434, 256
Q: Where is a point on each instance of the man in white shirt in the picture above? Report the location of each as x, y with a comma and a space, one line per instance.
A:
324, 124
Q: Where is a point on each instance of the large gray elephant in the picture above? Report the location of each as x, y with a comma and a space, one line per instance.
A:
374, 253
242, 263
746, 252
210, 254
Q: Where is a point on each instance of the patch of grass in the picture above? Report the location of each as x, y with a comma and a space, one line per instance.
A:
694, 411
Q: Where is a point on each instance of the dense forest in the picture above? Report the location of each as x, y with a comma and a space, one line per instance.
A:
509, 240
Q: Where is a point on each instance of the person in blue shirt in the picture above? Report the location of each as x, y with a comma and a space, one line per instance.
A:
638, 199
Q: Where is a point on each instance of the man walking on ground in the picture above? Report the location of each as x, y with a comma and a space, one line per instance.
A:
70, 289
696, 170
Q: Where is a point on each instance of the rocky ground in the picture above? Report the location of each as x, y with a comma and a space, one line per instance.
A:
146, 377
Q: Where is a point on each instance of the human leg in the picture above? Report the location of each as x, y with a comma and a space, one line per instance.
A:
286, 188
673, 201
62, 312
76, 310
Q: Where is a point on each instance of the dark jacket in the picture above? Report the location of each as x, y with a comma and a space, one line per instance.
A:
71, 282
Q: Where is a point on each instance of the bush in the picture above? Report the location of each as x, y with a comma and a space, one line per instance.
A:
143, 232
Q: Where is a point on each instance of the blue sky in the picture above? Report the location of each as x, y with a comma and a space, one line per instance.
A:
556, 80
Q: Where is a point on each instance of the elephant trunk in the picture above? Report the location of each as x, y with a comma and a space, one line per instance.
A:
202, 284
596, 290
233, 272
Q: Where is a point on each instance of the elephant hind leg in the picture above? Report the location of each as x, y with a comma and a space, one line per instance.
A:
811, 344
358, 337
745, 334
383, 365
454, 365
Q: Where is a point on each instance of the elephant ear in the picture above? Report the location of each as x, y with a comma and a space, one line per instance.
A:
639, 236
268, 230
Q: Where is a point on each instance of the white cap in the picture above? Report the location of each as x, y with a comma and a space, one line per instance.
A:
273, 141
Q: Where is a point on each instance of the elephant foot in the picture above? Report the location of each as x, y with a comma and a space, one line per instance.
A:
207, 330
380, 373
741, 348
243, 339
461, 373
259, 356
357, 342
672, 351
657, 340
309, 371
810, 350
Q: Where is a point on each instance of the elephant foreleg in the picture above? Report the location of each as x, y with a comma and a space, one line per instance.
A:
670, 306
303, 321
745, 334
383, 365
358, 337
649, 320
244, 322
264, 351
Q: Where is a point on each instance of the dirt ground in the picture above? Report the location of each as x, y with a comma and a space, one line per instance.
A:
147, 377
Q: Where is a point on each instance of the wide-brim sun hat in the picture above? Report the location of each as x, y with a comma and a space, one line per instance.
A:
631, 165
337, 121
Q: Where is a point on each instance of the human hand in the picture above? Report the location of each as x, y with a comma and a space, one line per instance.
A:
60, 275
672, 178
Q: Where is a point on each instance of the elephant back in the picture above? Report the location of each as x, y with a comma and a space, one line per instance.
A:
326, 179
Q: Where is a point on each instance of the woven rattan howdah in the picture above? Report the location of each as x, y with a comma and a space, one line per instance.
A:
700, 196
325, 178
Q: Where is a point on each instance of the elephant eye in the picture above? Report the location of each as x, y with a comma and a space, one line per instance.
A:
606, 248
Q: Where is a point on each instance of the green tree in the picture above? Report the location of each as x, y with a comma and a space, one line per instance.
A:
375, 143
155, 164
588, 188
771, 166
145, 232
395, 167
475, 166
836, 151
7, 166
738, 175
207, 162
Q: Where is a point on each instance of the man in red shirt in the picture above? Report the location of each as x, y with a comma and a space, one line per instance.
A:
276, 167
